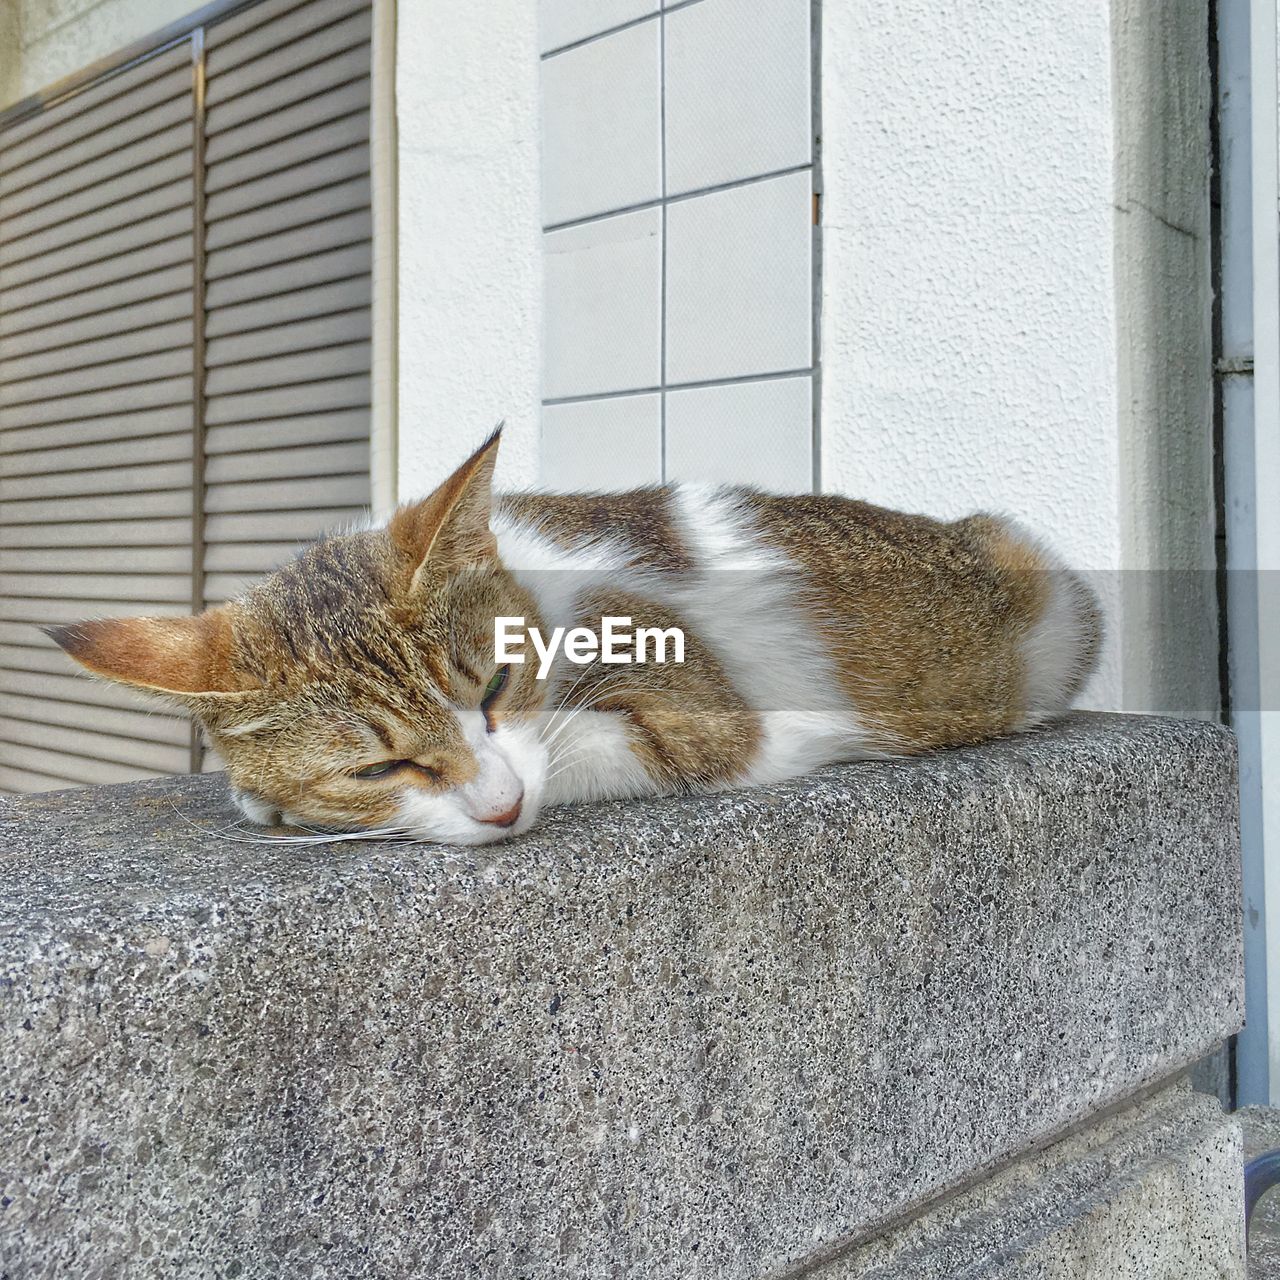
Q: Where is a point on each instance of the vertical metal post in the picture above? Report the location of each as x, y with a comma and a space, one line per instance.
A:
1249, 378
197, 346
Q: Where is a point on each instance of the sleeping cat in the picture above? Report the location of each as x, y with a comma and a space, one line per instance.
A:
359, 687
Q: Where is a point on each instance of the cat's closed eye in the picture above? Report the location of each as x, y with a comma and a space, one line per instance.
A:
386, 768
379, 770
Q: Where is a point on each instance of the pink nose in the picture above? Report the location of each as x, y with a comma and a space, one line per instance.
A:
507, 819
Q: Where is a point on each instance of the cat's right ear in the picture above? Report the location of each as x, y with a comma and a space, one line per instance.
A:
450, 527
188, 658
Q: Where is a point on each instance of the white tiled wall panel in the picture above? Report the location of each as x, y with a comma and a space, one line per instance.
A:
602, 444
738, 101
561, 22
602, 306
739, 281
602, 125
677, 148
758, 433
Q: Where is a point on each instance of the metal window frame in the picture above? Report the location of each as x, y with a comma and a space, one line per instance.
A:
1248, 372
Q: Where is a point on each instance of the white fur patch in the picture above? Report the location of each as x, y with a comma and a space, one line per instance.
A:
1058, 650
511, 768
743, 603
740, 600
591, 758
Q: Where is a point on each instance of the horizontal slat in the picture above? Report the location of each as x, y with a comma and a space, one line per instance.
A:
169, 587
41, 656
170, 448
126, 426
229, 78
115, 400
141, 725
109, 248
97, 745
279, 526
108, 559
36, 654
105, 506
275, 185
19, 633
95, 309
167, 532
298, 279
37, 200
267, 26
27, 671
27, 782
281, 495
221, 180
124, 94
340, 329
316, 206
285, 370
286, 308
53, 160
287, 402
135, 479
121, 324
249, 558
26, 610
221, 587
282, 433
89, 212
275, 95
54, 387
316, 460
288, 246
74, 361
281, 128
90, 765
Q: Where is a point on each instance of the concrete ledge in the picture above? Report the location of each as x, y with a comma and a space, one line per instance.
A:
1155, 1190
724, 1037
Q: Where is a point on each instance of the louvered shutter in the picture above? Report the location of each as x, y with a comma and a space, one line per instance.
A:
288, 282
96, 417
128, 482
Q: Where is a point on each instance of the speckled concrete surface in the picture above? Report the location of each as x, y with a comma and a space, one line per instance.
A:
1153, 1192
1261, 1127
698, 1038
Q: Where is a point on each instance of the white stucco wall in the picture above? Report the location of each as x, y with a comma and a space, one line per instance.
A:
1009, 322
56, 38
469, 237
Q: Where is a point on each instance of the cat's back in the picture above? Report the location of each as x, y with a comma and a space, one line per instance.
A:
941, 632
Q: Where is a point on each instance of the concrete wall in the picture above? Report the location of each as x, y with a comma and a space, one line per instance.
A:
56, 38
1016, 296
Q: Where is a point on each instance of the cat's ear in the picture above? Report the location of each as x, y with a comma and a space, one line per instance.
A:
187, 658
450, 527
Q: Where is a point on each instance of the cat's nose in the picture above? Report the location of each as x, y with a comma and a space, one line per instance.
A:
507, 819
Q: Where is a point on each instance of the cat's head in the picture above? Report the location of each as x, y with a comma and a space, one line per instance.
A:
356, 687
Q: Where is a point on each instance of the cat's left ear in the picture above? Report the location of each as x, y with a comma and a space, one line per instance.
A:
450, 528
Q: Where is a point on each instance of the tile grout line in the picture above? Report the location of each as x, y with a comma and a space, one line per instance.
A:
570, 223
815, 269
596, 36
662, 287
736, 380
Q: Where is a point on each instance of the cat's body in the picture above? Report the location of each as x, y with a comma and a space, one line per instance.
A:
359, 687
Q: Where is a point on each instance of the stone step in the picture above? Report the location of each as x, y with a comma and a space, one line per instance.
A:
728, 1037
